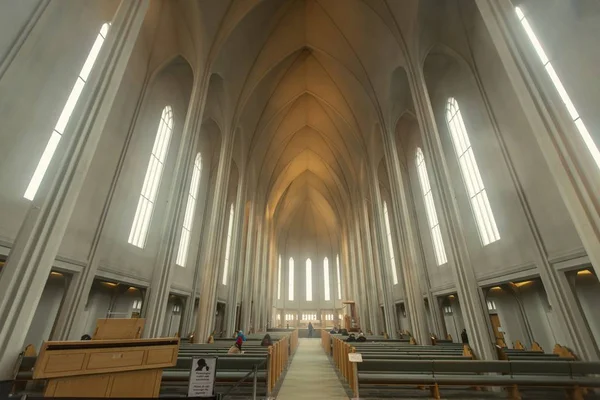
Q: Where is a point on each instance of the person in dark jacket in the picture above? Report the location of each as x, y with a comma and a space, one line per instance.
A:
351, 338
266, 341
310, 330
464, 336
361, 338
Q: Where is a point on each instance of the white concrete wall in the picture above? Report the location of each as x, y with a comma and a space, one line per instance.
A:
42, 74
587, 290
47, 310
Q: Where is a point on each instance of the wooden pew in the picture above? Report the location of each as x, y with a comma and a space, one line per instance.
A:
390, 376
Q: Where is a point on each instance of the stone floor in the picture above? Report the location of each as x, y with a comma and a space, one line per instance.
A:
311, 375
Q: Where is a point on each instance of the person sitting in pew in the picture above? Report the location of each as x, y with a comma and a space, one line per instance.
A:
234, 350
239, 340
266, 341
351, 338
344, 332
361, 337
334, 330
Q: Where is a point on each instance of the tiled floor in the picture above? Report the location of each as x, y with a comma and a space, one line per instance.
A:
311, 375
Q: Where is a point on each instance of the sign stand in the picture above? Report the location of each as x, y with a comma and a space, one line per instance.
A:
202, 377
355, 358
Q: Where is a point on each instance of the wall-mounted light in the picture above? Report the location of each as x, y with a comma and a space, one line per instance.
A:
54, 273
519, 284
584, 272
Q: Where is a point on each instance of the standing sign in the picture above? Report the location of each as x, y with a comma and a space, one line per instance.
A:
202, 377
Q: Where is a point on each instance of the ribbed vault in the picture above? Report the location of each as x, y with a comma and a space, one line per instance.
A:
307, 82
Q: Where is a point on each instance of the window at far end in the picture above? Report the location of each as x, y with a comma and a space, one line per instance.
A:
326, 279
291, 279
308, 280
388, 232
228, 245
279, 279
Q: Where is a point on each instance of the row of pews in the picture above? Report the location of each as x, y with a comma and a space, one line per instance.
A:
389, 368
269, 363
235, 373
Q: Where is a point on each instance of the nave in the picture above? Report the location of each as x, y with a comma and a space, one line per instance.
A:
423, 171
311, 375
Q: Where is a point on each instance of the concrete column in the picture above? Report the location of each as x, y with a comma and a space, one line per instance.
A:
358, 277
208, 295
235, 269
247, 287
346, 262
474, 308
368, 271
36, 245
255, 273
568, 159
404, 230
271, 277
383, 249
262, 281
259, 300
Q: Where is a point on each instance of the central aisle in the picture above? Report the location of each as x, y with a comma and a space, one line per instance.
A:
311, 376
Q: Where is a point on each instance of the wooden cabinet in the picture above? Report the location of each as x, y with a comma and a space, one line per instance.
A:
105, 368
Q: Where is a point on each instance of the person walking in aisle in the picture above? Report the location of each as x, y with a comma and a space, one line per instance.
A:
310, 330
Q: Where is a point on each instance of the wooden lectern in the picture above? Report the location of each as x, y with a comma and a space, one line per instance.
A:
109, 366
351, 318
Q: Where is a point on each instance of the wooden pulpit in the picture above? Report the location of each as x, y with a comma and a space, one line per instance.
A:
114, 367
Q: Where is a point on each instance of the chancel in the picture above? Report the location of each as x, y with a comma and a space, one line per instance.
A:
417, 181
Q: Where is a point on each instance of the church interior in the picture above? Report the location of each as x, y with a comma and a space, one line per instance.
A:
188, 176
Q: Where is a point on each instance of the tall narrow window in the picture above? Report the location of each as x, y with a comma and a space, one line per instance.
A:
188, 219
486, 224
145, 207
326, 278
339, 279
228, 245
291, 280
279, 280
434, 225
388, 232
59, 128
308, 280
585, 135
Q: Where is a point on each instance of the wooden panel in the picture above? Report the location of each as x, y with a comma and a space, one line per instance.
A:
97, 360
115, 359
81, 386
64, 362
160, 356
119, 328
135, 384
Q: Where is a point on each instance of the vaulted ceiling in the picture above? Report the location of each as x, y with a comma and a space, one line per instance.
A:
308, 85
